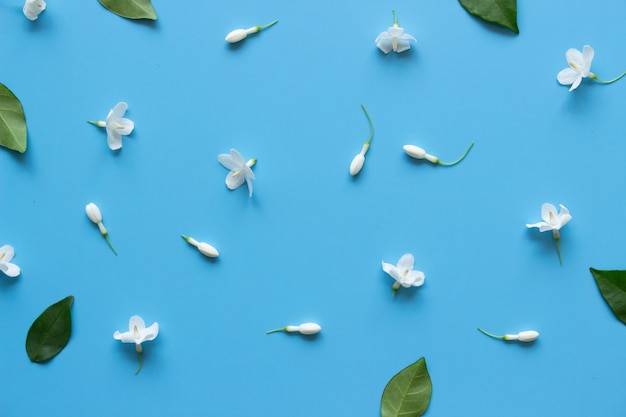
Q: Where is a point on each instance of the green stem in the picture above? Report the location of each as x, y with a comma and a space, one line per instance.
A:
395, 18
558, 248
282, 329
369, 119
106, 237
140, 362
489, 334
595, 77
449, 164
266, 26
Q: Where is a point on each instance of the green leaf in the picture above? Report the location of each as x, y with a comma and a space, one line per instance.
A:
612, 285
131, 9
407, 394
12, 121
49, 334
500, 12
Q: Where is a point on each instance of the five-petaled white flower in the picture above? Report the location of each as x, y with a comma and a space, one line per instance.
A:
6, 256
33, 8
579, 67
240, 170
138, 333
116, 125
394, 39
553, 221
403, 273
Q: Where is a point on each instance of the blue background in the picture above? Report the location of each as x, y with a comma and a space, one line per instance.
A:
308, 245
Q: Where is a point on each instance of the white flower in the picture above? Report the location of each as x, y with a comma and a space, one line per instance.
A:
94, 214
6, 255
138, 333
357, 162
240, 34
33, 8
305, 328
116, 125
394, 39
579, 67
240, 171
525, 336
203, 247
553, 221
403, 273
419, 153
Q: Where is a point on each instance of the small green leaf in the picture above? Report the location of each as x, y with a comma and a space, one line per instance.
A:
407, 394
500, 12
131, 9
612, 285
12, 121
49, 334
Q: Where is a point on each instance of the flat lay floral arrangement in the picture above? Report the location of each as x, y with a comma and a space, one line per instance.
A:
373, 238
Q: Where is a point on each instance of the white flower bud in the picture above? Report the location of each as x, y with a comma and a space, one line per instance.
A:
236, 36
33, 8
357, 164
93, 212
414, 151
310, 328
525, 336
208, 250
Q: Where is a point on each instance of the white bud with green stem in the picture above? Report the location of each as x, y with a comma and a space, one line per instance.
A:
357, 162
525, 336
238, 35
419, 153
203, 247
94, 214
305, 328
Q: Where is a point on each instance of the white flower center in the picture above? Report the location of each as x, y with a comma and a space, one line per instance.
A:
405, 273
136, 332
2, 256
552, 219
575, 66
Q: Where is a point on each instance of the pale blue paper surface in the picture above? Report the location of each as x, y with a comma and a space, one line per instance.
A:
308, 245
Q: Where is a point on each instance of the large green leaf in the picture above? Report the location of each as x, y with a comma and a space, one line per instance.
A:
131, 9
49, 334
407, 394
612, 285
12, 121
500, 12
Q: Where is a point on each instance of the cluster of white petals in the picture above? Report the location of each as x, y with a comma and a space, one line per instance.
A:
240, 170
403, 273
579, 67
116, 125
394, 39
6, 256
33, 8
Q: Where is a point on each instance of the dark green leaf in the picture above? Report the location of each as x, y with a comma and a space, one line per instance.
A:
12, 121
500, 12
407, 394
132, 9
50, 332
612, 285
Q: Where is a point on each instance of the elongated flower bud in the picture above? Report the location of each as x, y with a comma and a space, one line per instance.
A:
305, 328
357, 164
237, 35
203, 247
93, 212
525, 336
419, 153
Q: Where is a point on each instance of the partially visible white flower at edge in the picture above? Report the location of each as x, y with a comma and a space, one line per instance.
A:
553, 221
240, 170
6, 256
116, 125
579, 67
403, 273
394, 39
138, 333
241, 34
33, 8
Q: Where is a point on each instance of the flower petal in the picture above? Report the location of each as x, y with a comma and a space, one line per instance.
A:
406, 263
126, 337
136, 321
576, 83
574, 56
125, 126
414, 278
395, 31
564, 215
568, 76
9, 269
234, 179
402, 45
249, 185
391, 270
8, 252
538, 225
150, 333
587, 57
114, 139
546, 210
117, 112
